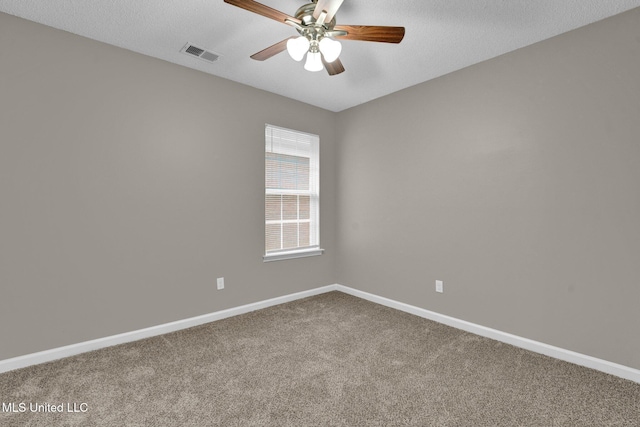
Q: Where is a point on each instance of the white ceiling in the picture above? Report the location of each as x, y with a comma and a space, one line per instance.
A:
441, 36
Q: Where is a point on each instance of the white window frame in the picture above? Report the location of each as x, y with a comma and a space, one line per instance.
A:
314, 194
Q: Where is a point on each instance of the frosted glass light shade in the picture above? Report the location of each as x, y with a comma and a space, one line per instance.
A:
298, 47
314, 62
330, 49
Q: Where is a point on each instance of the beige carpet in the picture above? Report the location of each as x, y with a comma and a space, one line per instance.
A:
328, 360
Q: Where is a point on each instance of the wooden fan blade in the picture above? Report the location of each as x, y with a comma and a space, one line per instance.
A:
371, 33
329, 6
261, 9
334, 67
271, 50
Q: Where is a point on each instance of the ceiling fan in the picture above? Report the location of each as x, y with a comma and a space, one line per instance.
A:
316, 24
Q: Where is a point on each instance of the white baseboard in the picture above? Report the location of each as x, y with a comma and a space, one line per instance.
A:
535, 346
83, 347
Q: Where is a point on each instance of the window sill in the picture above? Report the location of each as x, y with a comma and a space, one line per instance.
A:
292, 254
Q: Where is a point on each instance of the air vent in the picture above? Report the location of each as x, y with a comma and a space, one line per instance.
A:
198, 52
194, 50
209, 56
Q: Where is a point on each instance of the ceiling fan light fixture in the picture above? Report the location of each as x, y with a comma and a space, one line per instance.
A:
298, 47
314, 62
316, 23
330, 49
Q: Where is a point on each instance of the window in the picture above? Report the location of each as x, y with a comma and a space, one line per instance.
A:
292, 197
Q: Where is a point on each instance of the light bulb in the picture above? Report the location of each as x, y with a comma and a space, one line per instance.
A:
314, 62
330, 49
298, 47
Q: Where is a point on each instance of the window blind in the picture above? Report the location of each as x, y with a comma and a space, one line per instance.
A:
291, 190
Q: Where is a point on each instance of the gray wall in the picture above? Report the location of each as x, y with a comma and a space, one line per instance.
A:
516, 181
128, 184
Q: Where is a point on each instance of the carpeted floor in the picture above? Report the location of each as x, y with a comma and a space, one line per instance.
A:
328, 360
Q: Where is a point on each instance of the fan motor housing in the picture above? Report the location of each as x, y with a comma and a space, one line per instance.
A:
305, 14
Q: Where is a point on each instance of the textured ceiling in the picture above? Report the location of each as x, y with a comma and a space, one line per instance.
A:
441, 36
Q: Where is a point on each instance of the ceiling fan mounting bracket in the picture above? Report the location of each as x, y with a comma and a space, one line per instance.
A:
310, 27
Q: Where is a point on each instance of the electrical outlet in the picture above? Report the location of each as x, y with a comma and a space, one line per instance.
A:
439, 286
220, 283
